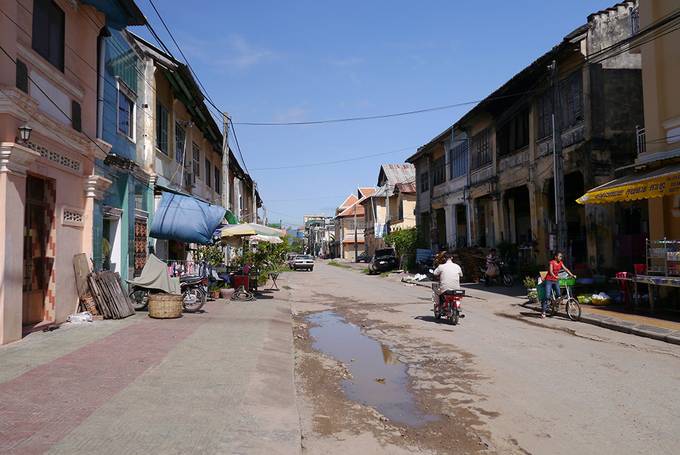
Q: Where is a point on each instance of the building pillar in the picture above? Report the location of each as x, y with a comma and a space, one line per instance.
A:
473, 222
536, 215
95, 186
511, 221
498, 219
657, 229
448, 222
454, 225
14, 161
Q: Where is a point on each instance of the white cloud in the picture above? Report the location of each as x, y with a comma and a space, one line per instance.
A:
232, 53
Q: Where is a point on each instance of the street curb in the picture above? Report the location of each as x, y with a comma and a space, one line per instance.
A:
632, 329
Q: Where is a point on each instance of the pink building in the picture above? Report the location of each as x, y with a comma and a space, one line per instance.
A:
48, 81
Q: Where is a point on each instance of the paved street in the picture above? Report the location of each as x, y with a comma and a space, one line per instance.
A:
247, 378
521, 383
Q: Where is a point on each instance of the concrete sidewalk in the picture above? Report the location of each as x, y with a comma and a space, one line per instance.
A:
644, 326
216, 382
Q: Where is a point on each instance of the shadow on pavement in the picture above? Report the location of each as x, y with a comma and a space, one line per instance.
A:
515, 291
431, 319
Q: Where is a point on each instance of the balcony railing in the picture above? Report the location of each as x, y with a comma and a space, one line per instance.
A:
641, 139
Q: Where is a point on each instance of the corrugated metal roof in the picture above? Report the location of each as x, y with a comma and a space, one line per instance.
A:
396, 173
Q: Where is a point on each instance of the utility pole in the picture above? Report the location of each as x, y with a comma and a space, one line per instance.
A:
254, 200
558, 164
226, 200
356, 245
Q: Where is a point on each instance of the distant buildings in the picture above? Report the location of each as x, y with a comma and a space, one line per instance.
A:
392, 206
319, 234
349, 226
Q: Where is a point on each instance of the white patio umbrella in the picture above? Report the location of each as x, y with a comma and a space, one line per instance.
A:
265, 238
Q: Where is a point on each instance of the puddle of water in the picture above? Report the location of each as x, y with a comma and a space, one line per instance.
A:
367, 360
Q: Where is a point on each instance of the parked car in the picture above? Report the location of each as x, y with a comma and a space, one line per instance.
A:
364, 257
303, 262
383, 260
290, 257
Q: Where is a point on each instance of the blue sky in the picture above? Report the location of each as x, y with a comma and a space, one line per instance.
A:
272, 61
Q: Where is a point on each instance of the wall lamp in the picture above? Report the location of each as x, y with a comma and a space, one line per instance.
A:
25, 133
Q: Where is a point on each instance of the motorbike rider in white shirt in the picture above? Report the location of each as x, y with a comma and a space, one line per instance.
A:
449, 274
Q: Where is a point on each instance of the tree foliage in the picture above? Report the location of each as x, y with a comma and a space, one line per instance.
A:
403, 241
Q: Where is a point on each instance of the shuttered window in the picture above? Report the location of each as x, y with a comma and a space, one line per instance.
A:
180, 139
76, 116
196, 161
162, 128
22, 76
48, 32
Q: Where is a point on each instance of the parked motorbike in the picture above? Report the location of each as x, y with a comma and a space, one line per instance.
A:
194, 294
448, 304
503, 278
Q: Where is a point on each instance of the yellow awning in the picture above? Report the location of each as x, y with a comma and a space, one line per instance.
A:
657, 183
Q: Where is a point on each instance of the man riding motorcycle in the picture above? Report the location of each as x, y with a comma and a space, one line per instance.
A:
449, 274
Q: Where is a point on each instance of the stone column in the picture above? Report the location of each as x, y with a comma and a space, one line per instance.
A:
498, 219
448, 221
454, 225
95, 186
14, 161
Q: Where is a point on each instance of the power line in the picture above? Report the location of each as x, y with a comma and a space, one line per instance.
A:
238, 147
324, 163
597, 57
73, 51
380, 116
172, 37
68, 117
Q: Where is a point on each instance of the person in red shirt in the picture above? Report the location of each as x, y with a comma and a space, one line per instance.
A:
555, 267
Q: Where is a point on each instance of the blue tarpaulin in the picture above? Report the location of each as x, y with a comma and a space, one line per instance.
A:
186, 219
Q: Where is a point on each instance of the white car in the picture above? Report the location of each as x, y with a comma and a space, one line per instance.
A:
303, 262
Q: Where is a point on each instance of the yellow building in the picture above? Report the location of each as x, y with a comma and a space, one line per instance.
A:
661, 86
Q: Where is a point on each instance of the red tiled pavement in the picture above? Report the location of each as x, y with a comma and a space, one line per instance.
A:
40, 407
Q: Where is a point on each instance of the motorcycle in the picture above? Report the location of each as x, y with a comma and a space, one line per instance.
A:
448, 304
194, 291
503, 276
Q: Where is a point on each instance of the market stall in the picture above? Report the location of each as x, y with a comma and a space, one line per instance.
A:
661, 269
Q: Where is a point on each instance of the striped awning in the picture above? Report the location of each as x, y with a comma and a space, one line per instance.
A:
657, 183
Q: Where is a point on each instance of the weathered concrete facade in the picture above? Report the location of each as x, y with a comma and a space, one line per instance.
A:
507, 192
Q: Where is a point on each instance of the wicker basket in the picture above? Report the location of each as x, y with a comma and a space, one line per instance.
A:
165, 306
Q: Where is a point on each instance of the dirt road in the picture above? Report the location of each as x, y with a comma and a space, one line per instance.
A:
377, 374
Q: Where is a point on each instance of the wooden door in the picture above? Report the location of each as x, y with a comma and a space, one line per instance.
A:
37, 266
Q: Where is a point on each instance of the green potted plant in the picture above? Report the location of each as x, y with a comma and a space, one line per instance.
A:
532, 292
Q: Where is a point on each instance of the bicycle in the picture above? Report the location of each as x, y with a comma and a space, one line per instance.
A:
572, 307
